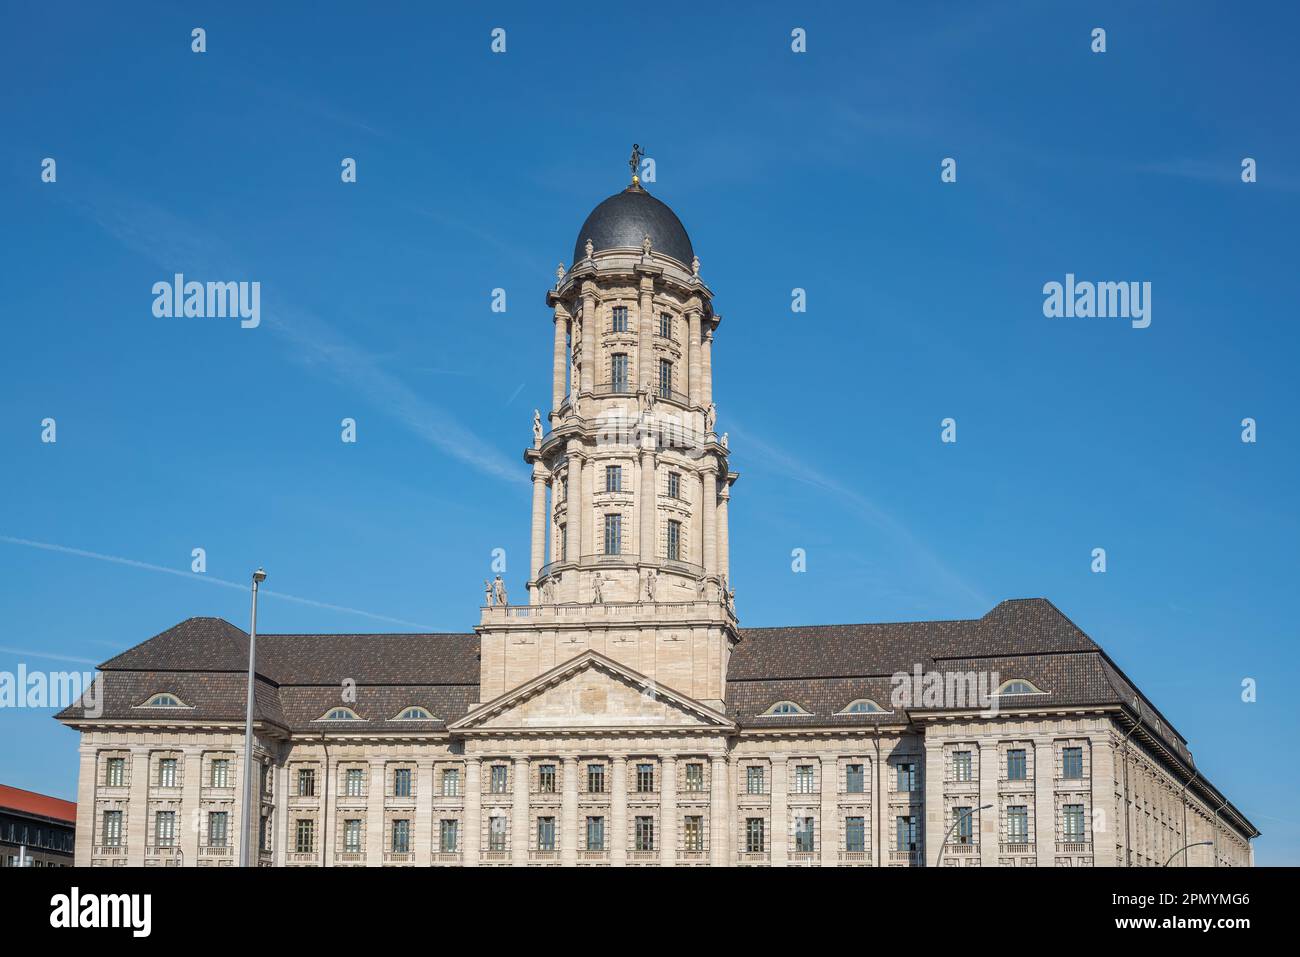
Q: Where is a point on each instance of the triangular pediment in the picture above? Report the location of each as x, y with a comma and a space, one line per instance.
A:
590, 693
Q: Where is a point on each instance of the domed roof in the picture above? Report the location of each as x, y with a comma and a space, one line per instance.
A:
625, 218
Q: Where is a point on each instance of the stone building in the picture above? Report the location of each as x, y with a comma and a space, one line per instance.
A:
620, 715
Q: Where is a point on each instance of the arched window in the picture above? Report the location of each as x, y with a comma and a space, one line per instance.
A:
164, 699
1017, 686
785, 708
340, 714
863, 706
415, 713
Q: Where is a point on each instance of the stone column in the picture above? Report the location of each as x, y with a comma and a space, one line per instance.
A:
573, 506
616, 840
668, 813
188, 819
644, 344
589, 523
87, 781
589, 320
936, 817
569, 814
560, 364
473, 826
520, 825
706, 367
329, 812
721, 827
646, 507
375, 816
709, 483
780, 841
423, 837
1045, 802
693, 370
136, 818
990, 835
722, 539
830, 813
537, 558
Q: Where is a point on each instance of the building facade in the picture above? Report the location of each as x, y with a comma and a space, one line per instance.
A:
620, 715
36, 830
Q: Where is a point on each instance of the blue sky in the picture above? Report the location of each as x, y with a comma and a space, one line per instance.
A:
818, 171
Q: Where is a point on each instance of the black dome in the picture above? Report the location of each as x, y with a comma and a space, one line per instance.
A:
625, 218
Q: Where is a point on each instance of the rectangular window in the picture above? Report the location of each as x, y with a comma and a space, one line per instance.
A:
401, 836
964, 819
1016, 768
306, 782
500, 778
804, 779
905, 832
217, 821
645, 834
164, 827
674, 540
665, 379
906, 776
451, 782
354, 782
619, 323
694, 777
448, 835
352, 835
613, 478
645, 778
546, 778
754, 835
961, 765
1072, 764
694, 833
853, 779
855, 835
546, 833
1018, 824
112, 835
497, 834
674, 485
618, 380
665, 325
564, 543
803, 835
613, 534
220, 773
402, 782
304, 836
167, 773
595, 779
754, 783
1074, 822
116, 773
595, 833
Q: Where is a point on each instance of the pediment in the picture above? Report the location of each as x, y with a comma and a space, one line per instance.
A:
592, 692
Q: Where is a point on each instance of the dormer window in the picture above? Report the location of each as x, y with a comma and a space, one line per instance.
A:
164, 700
1017, 686
785, 708
863, 706
415, 713
340, 714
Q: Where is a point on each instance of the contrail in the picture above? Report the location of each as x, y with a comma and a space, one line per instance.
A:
195, 576
28, 653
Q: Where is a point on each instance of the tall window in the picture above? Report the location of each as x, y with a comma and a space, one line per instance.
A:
853, 779
1074, 822
401, 836
804, 828
754, 835
694, 833
448, 835
1016, 769
613, 534
500, 778
352, 835
613, 478
645, 833
674, 540
116, 777
354, 782
754, 783
906, 776
618, 372
855, 835
1018, 824
402, 782
645, 778
595, 779
695, 777
595, 833
497, 834
564, 542
546, 778
546, 833
306, 782
964, 824
304, 836
619, 319
961, 766
217, 821
112, 834
164, 827
167, 773
674, 484
450, 782
805, 781
665, 379
665, 325
905, 832
221, 773
1072, 763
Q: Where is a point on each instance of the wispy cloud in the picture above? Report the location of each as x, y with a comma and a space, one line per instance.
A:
1225, 172
29, 653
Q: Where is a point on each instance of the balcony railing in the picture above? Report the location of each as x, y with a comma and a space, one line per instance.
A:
445, 857
399, 857
109, 850
642, 856
214, 850
855, 857
350, 857
591, 855
544, 857
693, 857
302, 857
753, 857
911, 858
613, 388
1073, 847
1016, 847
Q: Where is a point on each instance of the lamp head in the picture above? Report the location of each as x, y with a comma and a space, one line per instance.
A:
259, 575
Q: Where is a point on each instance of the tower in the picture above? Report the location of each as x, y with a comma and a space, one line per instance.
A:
631, 484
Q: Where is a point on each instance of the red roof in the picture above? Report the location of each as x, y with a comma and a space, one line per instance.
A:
30, 802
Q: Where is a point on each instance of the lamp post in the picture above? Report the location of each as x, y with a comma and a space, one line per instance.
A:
1185, 847
245, 858
969, 811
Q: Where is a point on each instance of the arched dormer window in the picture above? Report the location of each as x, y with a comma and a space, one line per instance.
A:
863, 706
415, 713
1017, 686
164, 699
340, 714
785, 708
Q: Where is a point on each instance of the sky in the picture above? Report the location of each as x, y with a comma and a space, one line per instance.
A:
818, 171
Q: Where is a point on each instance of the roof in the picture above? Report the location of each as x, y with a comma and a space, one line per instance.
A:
626, 218
40, 805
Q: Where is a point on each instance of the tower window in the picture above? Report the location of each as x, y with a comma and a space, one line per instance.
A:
613, 478
620, 319
618, 372
613, 534
674, 485
665, 379
665, 325
564, 543
674, 541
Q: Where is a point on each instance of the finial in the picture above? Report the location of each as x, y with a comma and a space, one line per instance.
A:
695, 266
559, 275
634, 163
590, 248
646, 245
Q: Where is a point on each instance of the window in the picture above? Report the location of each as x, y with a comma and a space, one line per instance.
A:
546, 778
1074, 822
1016, 769
785, 707
116, 773
304, 836
804, 779
1072, 763
167, 773
163, 701
961, 765
613, 534
964, 828
905, 832
864, 706
448, 835
618, 381
613, 478
645, 833
694, 833
754, 835
306, 782
414, 713
164, 828
803, 835
619, 323
402, 782
595, 779
546, 833
450, 782
906, 776
853, 779
595, 833
401, 843
497, 834
694, 777
645, 778
340, 714
217, 821
352, 835
1017, 686
855, 835
221, 772
564, 542
754, 783
674, 540
500, 778
1018, 824
674, 485
665, 379
112, 833
354, 782
665, 325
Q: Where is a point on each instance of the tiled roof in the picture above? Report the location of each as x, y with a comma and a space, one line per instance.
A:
41, 805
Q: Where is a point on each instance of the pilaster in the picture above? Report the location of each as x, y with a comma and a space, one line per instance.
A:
617, 840
569, 814
520, 825
137, 813
780, 811
830, 811
472, 839
1044, 802
375, 816
668, 812
990, 820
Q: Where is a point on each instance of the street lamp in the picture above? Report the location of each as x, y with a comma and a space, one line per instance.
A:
259, 576
1185, 847
968, 812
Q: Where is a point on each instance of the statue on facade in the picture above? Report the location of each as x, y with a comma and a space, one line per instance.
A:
695, 266
710, 418
724, 439
537, 429
591, 249
646, 245
597, 583
651, 584
488, 598
559, 275
548, 592
634, 164
499, 590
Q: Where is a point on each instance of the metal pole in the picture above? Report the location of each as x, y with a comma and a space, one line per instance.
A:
1183, 797
969, 811
246, 818
1181, 849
